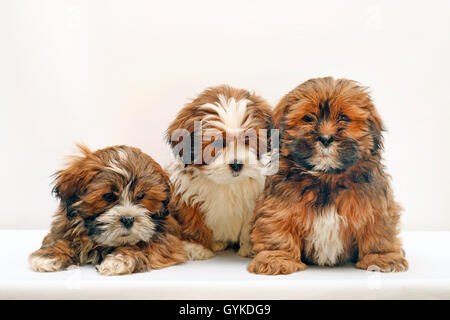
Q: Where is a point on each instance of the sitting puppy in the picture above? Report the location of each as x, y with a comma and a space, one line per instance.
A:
331, 201
218, 176
113, 213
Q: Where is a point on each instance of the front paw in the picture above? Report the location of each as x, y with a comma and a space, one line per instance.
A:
114, 265
274, 262
386, 262
42, 263
245, 250
218, 246
195, 251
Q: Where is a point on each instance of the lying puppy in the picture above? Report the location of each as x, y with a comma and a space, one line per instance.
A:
331, 201
218, 175
113, 213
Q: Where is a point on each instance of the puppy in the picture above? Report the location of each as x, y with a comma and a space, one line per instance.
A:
331, 201
113, 213
217, 176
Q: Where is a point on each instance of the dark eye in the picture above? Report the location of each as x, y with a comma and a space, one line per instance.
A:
307, 118
109, 197
343, 117
140, 197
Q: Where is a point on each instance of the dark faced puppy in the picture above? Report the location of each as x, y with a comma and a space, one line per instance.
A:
331, 201
113, 212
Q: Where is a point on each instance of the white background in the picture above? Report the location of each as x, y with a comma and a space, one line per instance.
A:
117, 72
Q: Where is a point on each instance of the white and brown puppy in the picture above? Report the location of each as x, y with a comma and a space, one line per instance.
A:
113, 213
217, 176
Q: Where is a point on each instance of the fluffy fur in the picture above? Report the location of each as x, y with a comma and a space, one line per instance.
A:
213, 202
113, 213
331, 201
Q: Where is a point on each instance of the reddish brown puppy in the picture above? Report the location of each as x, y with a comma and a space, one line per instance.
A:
331, 200
113, 214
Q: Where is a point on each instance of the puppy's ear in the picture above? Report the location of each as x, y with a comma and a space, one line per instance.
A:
279, 113
282, 109
165, 211
279, 117
261, 115
376, 129
70, 183
180, 134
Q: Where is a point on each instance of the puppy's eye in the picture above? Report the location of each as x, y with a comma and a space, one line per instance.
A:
140, 197
109, 197
307, 118
344, 118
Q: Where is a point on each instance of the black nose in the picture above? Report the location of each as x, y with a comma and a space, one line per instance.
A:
236, 167
127, 221
326, 140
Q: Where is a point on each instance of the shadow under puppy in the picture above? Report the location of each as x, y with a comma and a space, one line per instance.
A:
217, 184
113, 213
331, 200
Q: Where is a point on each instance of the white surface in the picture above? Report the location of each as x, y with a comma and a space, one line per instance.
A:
111, 71
225, 277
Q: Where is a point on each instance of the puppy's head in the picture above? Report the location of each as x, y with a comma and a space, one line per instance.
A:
222, 134
328, 125
120, 193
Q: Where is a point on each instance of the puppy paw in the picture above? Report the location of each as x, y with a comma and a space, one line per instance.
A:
245, 250
272, 263
218, 246
114, 265
41, 263
387, 262
196, 251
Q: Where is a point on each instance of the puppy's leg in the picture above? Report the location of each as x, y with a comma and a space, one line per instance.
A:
379, 245
196, 251
275, 240
198, 243
245, 245
55, 257
119, 262
219, 246
162, 252
386, 262
275, 262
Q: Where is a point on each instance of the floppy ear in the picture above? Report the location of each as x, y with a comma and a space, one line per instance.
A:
70, 183
165, 209
180, 134
279, 113
279, 116
282, 108
376, 129
164, 212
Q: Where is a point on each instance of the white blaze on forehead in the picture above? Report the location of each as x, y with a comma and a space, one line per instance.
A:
231, 114
125, 198
115, 165
122, 154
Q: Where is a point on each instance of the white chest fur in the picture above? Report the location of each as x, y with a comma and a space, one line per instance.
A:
227, 208
324, 244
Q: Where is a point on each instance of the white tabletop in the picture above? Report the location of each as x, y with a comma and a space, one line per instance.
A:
226, 277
